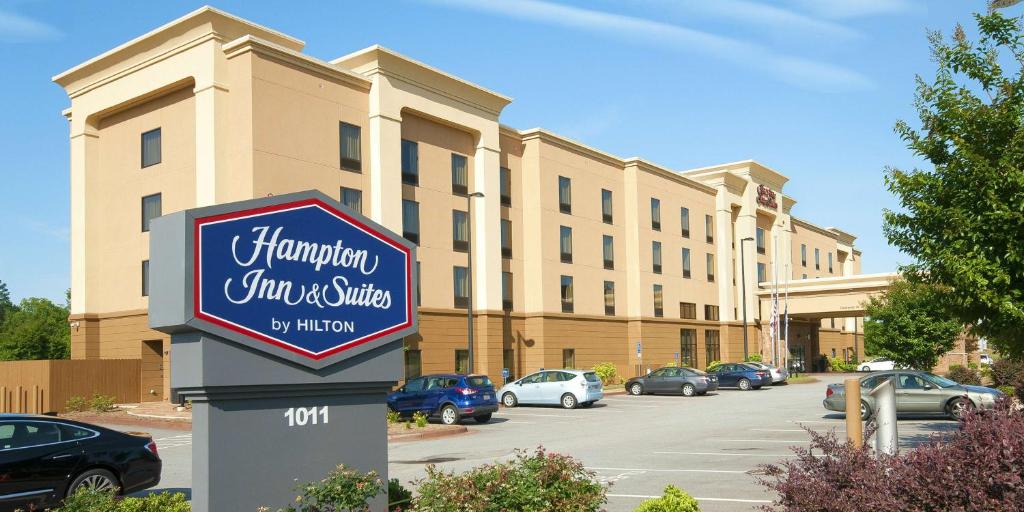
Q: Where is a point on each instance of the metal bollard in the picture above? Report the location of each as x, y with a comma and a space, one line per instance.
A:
887, 438
854, 427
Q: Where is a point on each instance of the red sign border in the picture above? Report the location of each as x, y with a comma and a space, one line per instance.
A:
197, 270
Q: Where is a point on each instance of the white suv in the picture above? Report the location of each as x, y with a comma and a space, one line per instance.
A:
568, 388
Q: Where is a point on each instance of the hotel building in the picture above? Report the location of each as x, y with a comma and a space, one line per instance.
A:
578, 255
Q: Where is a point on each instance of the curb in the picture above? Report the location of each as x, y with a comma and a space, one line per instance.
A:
428, 435
158, 417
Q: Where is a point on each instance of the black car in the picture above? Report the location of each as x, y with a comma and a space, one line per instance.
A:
685, 381
45, 458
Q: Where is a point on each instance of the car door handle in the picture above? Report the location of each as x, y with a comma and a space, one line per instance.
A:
64, 456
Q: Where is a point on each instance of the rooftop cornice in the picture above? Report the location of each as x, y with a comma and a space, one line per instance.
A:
817, 229
570, 144
658, 170
268, 49
843, 236
757, 171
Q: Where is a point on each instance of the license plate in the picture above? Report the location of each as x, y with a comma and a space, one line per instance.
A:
487, 397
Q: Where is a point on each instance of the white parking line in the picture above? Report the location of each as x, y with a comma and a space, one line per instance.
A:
727, 454
784, 429
647, 497
518, 414
670, 470
761, 440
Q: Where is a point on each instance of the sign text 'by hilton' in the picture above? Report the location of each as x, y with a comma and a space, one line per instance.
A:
303, 276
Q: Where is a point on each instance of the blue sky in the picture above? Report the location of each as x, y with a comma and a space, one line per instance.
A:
810, 88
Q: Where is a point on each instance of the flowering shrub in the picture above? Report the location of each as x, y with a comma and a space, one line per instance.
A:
342, 489
420, 419
1009, 372
607, 372
713, 364
980, 468
399, 498
754, 358
86, 500
964, 375
674, 500
537, 482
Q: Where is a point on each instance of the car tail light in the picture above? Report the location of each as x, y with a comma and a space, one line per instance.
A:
465, 391
828, 392
151, 446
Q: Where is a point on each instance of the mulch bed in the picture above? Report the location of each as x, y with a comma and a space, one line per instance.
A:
121, 417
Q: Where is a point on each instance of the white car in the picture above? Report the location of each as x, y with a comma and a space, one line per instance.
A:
877, 364
568, 388
985, 359
778, 374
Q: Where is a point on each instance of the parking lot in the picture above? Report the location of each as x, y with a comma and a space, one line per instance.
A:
705, 445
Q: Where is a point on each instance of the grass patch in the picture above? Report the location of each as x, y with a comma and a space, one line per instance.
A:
802, 379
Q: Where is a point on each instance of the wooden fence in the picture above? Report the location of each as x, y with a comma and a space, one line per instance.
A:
38, 387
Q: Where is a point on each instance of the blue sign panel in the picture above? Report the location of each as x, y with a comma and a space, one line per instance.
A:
303, 276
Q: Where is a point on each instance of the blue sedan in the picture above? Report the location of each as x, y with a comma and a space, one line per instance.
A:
742, 376
450, 397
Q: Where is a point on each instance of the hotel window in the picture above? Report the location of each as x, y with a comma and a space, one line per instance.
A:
410, 162
659, 305
413, 364
656, 257
712, 346
609, 298
565, 243
817, 259
564, 195
687, 311
352, 198
608, 248
460, 231
606, 206
684, 221
710, 312
711, 267
506, 238
803, 254
351, 159
151, 148
688, 347
460, 278
411, 221
686, 263
709, 229
145, 278
762, 273
829, 262
566, 293
461, 361
655, 214
760, 240
505, 186
460, 174
803, 276
150, 210
568, 358
506, 291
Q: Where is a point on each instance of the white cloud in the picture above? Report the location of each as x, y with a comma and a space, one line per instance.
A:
845, 9
765, 16
15, 28
791, 69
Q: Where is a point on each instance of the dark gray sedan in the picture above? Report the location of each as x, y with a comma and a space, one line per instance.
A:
673, 380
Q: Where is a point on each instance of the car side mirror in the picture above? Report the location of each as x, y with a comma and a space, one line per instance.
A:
928, 387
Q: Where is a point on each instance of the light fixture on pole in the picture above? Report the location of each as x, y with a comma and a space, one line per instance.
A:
743, 292
469, 277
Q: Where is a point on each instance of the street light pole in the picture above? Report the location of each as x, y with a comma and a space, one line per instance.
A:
743, 292
469, 276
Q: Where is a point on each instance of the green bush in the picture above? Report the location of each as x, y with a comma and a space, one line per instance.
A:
420, 419
537, 482
342, 489
101, 403
838, 365
674, 500
964, 375
754, 358
607, 372
86, 500
1007, 390
399, 498
394, 417
713, 364
77, 404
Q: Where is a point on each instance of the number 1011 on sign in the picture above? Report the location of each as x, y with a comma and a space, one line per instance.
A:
302, 416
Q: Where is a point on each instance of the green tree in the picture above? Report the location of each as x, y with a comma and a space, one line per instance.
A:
910, 324
38, 329
6, 306
963, 220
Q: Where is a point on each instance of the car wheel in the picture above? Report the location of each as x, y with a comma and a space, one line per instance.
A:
94, 480
689, 390
744, 384
449, 415
636, 389
865, 410
509, 400
483, 418
959, 407
865, 368
569, 401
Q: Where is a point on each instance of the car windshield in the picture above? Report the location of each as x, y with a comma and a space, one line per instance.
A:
591, 377
942, 382
480, 381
